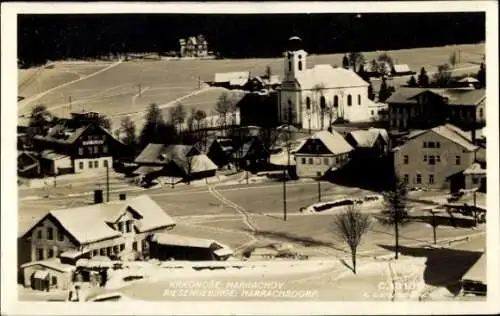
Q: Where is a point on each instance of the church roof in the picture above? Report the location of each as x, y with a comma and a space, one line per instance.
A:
329, 77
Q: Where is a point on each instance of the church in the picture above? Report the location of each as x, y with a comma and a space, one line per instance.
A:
315, 98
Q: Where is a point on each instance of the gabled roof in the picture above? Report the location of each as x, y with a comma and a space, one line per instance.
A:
61, 135
455, 96
364, 138
178, 240
90, 223
329, 77
450, 132
162, 155
52, 263
333, 141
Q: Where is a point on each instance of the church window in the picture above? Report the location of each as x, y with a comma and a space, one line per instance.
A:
322, 102
300, 56
300, 65
289, 66
359, 99
349, 100
308, 103
336, 101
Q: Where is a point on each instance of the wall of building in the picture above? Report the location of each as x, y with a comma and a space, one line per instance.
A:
83, 164
440, 170
46, 245
311, 166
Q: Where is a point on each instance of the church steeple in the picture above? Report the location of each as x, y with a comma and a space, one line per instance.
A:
295, 58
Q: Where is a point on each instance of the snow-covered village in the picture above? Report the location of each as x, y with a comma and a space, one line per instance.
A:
215, 159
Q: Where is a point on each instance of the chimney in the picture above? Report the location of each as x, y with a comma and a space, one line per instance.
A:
97, 196
123, 196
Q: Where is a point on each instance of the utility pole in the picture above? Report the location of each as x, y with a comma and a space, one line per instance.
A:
434, 225
199, 83
319, 190
70, 105
107, 183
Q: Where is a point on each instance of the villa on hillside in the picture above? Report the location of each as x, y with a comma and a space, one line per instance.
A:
193, 46
319, 96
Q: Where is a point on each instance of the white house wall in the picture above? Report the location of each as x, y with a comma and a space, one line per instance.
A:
85, 167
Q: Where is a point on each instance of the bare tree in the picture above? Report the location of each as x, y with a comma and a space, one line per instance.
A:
318, 107
395, 212
225, 105
127, 131
189, 166
350, 226
443, 75
356, 59
453, 59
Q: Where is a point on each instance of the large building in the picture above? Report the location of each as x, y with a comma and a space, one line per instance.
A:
193, 46
320, 153
436, 158
421, 108
109, 229
319, 96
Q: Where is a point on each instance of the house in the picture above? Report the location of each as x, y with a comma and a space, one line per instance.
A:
182, 161
175, 247
401, 70
435, 158
28, 165
218, 150
78, 145
193, 46
422, 108
369, 144
259, 109
224, 79
314, 98
322, 152
110, 229
251, 154
48, 274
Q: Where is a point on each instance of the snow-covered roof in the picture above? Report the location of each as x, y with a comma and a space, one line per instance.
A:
367, 138
333, 141
328, 77
469, 80
238, 81
401, 68
52, 263
91, 223
185, 241
478, 271
475, 168
450, 132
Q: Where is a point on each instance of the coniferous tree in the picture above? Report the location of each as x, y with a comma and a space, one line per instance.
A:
481, 75
371, 93
127, 132
384, 92
423, 78
412, 82
345, 62
151, 132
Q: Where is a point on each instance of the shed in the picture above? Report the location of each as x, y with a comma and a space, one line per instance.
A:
47, 274
401, 70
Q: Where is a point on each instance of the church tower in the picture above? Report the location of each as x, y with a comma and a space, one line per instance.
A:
295, 59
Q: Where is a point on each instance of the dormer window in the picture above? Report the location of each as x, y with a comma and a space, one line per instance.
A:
129, 226
120, 226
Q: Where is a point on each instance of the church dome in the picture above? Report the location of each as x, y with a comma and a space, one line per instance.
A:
294, 43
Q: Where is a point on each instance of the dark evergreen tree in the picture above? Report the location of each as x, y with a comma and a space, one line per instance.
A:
412, 82
371, 93
152, 130
345, 62
481, 75
384, 92
423, 78
127, 132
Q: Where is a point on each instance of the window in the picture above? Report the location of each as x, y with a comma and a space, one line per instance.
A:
311, 161
336, 101
102, 252
50, 253
475, 180
81, 165
39, 254
431, 179
303, 160
438, 158
425, 157
103, 137
95, 252
406, 159
129, 226
54, 280
96, 149
96, 164
349, 100
104, 149
406, 179
359, 99
372, 112
300, 65
90, 164
425, 144
337, 160
134, 245
430, 145
105, 163
322, 102
438, 145
90, 148
481, 113
289, 65
80, 151
457, 160
326, 161
39, 234
122, 247
419, 178
318, 161
50, 233
60, 235
308, 103
110, 251
432, 161
116, 249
